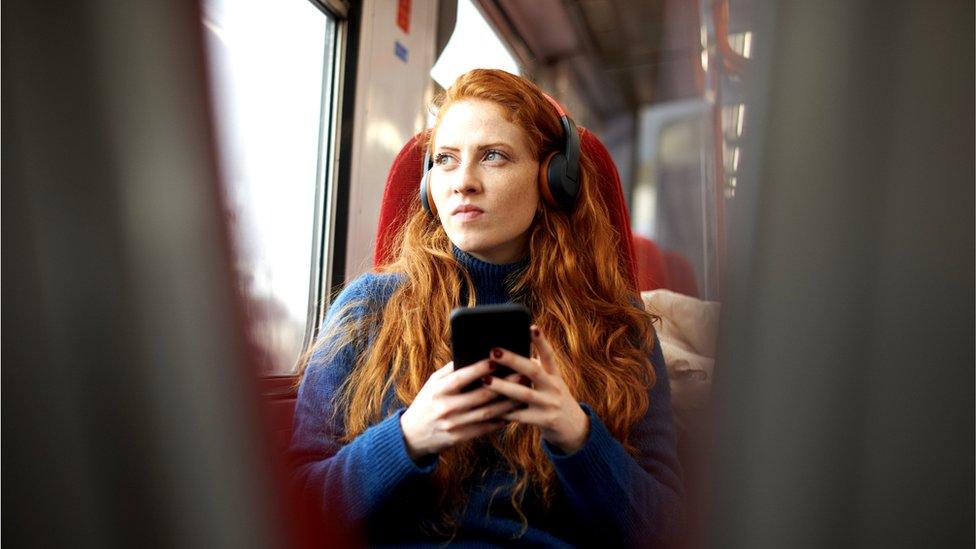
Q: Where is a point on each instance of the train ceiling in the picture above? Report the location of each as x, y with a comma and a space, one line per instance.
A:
622, 53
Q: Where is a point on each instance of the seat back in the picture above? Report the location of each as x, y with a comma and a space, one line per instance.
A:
403, 184
652, 269
401, 191
681, 275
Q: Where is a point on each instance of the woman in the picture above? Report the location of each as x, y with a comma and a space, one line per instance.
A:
577, 447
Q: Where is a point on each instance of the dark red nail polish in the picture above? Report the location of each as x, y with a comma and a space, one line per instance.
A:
497, 353
486, 380
535, 332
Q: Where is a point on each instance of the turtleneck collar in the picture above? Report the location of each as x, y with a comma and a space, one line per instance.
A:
489, 278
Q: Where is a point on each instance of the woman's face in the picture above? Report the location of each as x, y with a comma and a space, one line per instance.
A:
484, 181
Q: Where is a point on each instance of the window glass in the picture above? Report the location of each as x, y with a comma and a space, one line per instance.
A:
473, 44
691, 154
673, 211
270, 68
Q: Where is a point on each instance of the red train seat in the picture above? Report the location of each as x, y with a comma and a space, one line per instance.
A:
652, 270
681, 275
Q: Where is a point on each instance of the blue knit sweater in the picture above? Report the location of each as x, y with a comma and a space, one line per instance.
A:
605, 496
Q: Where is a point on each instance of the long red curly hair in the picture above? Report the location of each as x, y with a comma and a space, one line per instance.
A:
576, 285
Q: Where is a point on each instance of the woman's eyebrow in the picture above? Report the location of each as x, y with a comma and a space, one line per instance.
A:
480, 147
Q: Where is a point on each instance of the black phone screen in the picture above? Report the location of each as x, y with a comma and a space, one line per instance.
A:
475, 331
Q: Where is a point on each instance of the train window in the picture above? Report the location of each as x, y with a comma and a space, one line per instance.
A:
672, 204
473, 44
270, 68
691, 156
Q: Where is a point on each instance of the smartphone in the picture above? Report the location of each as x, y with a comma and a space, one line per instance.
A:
475, 331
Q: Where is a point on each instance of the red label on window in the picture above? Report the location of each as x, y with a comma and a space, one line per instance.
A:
403, 15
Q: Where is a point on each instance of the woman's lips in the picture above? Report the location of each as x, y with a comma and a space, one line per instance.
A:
468, 215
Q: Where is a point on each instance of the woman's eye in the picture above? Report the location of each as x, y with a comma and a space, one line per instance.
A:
493, 155
442, 159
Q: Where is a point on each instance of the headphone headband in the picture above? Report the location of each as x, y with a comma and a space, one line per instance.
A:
559, 108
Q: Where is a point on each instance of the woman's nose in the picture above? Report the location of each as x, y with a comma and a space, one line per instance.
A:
468, 180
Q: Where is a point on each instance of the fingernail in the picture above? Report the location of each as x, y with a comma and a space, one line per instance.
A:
497, 353
486, 380
535, 331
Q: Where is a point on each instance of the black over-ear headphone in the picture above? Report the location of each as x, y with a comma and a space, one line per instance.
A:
558, 172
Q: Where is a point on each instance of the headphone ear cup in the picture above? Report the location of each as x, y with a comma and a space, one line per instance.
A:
561, 189
425, 199
545, 182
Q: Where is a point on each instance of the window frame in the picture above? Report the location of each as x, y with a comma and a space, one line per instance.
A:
331, 185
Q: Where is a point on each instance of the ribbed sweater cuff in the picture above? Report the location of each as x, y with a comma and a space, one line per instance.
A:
594, 458
393, 463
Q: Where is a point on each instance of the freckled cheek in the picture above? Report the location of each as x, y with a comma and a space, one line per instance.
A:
439, 191
524, 211
520, 190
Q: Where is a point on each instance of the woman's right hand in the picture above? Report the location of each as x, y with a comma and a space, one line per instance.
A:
442, 416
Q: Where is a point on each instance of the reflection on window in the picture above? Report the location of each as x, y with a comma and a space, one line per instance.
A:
672, 215
733, 118
691, 156
267, 62
741, 43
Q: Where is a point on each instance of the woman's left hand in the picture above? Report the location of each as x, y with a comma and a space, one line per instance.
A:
549, 404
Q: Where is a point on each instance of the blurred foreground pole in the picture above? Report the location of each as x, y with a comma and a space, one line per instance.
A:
846, 389
126, 418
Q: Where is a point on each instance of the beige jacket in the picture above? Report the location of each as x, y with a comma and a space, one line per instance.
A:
688, 332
